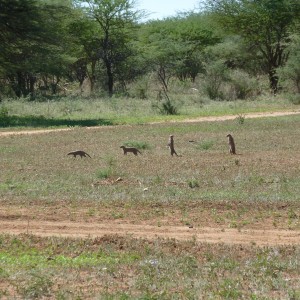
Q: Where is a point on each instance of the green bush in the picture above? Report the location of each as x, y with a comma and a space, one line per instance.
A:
242, 84
166, 107
216, 74
4, 117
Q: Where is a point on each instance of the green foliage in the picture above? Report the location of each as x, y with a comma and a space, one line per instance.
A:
117, 23
295, 99
242, 84
216, 73
265, 25
4, 118
290, 72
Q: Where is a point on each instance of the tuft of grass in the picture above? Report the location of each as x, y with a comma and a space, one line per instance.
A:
205, 145
193, 183
104, 173
241, 119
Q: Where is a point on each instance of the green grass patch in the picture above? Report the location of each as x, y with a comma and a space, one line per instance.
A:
205, 145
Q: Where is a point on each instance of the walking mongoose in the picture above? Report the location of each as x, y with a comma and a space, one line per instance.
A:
171, 145
135, 151
231, 144
78, 152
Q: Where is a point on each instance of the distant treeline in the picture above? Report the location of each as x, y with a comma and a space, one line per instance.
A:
47, 45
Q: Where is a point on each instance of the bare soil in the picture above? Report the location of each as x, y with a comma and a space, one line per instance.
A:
202, 234
17, 220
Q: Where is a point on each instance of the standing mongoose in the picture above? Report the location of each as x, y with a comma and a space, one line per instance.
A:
78, 152
231, 144
135, 151
171, 145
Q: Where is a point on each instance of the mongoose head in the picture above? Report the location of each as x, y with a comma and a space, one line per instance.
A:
122, 147
228, 135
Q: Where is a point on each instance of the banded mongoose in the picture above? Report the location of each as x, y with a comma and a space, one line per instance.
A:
171, 145
135, 151
78, 152
231, 144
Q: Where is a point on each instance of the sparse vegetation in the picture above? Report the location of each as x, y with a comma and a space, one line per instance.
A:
123, 268
211, 225
258, 189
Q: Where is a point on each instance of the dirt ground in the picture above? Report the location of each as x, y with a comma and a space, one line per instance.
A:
202, 234
58, 221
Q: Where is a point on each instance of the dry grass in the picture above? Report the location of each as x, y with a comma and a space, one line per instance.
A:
259, 186
266, 168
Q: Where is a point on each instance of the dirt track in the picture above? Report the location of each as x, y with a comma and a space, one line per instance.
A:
203, 234
200, 119
200, 234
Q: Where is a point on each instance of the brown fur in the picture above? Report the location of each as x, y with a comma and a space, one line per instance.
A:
231, 144
78, 152
171, 145
135, 151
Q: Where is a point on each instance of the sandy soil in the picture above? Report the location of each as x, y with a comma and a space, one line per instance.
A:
82, 229
202, 234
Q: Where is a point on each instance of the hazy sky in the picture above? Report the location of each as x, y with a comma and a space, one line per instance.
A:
165, 8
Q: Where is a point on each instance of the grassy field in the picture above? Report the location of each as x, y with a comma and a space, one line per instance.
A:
72, 111
205, 186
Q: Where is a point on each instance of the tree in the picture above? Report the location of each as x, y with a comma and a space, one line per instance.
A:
33, 42
173, 46
117, 21
265, 25
291, 70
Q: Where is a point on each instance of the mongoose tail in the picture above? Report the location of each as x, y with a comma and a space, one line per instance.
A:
80, 153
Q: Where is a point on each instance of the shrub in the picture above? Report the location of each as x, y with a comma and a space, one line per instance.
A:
290, 73
4, 118
166, 107
216, 74
242, 84
295, 99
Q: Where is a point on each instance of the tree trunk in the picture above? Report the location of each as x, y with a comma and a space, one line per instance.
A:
110, 78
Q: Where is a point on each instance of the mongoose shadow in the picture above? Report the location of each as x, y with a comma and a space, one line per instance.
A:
80, 153
133, 150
